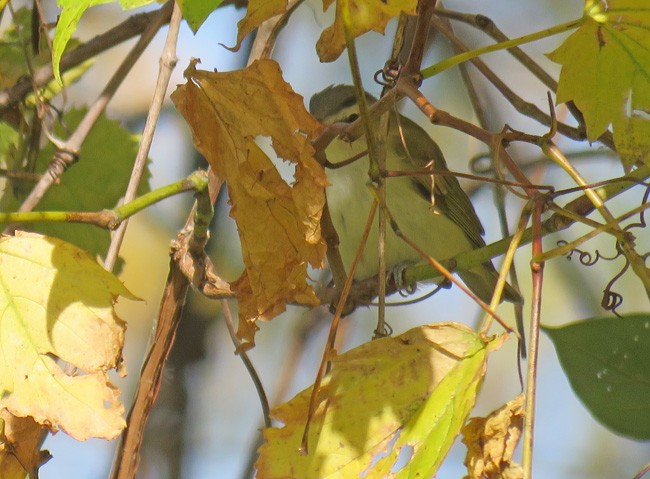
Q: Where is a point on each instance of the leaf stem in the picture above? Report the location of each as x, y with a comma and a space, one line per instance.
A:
463, 57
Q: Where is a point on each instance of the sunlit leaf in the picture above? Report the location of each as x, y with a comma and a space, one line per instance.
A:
491, 442
412, 393
362, 16
607, 361
57, 305
278, 223
257, 12
606, 68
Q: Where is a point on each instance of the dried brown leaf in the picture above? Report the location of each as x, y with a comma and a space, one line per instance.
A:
491, 442
278, 223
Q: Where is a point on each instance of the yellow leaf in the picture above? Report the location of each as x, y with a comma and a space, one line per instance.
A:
411, 391
257, 12
57, 306
278, 223
364, 15
491, 442
606, 65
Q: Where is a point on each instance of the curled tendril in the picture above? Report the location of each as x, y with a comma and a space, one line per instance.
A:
389, 74
585, 257
62, 160
388, 331
611, 299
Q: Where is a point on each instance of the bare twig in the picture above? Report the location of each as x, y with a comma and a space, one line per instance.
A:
130, 28
488, 26
525, 108
167, 63
127, 456
259, 387
531, 377
67, 152
414, 62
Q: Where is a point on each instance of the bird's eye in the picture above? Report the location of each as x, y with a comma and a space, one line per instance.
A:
351, 118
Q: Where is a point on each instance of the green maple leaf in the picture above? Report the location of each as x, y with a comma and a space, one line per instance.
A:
606, 73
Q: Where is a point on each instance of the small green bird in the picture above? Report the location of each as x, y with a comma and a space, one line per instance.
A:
443, 228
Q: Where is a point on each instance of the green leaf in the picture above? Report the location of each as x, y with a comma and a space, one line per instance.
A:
606, 67
607, 361
16, 49
195, 12
410, 392
71, 13
97, 181
8, 142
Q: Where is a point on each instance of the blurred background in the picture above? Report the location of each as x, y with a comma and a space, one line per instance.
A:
207, 419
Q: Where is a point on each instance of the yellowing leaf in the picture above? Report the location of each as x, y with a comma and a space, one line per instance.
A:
57, 305
491, 442
387, 396
606, 66
362, 16
278, 223
257, 12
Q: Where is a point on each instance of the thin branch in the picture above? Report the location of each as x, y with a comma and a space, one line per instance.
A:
581, 207
167, 63
531, 376
259, 387
626, 243
68, 152
127, 457
488, 26
413, 64
525, 108
130, 28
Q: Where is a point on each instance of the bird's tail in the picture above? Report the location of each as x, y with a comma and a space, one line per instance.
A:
482, 281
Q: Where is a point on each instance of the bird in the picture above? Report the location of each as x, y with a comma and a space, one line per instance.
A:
436, 214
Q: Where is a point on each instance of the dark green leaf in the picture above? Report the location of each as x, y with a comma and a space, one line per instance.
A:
607, 361
97, 181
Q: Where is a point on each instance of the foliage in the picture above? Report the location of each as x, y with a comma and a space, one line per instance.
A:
392, 407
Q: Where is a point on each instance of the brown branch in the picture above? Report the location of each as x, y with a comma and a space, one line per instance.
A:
525, 108
171, 308
488, 26
185, 269
414, 62
130, 28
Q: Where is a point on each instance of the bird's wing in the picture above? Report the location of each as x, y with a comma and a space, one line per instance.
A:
418, 149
